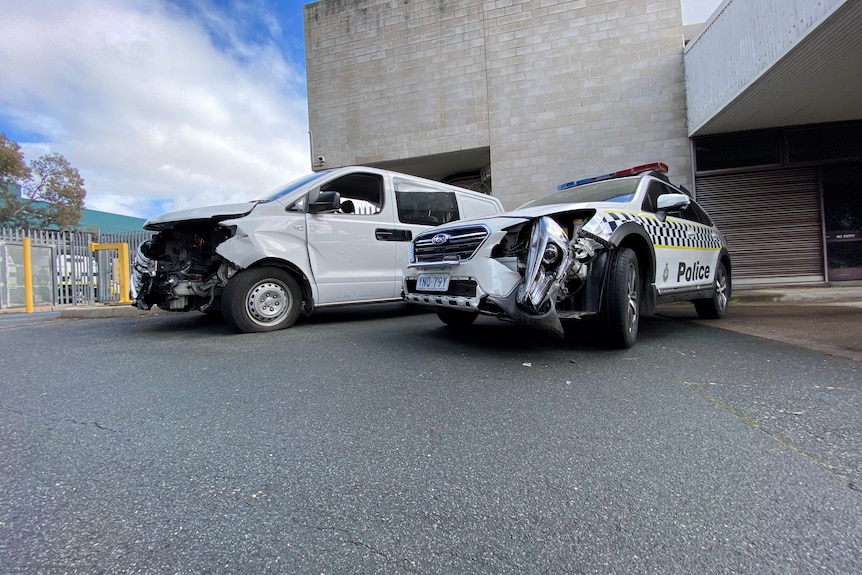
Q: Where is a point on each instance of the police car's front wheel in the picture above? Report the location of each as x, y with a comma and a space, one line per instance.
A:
620, 313
716, 306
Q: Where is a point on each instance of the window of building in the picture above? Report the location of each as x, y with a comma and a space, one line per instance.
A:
824, 143
842, 207
737, 150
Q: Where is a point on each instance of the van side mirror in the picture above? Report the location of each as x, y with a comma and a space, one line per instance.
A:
325, 202
671, 203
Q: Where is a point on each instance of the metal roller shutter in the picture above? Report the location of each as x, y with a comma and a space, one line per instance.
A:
772, 221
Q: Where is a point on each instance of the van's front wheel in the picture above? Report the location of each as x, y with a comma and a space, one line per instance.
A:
261, 299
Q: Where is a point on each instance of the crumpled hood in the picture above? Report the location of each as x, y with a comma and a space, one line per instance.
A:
222, 212
550, 209
494, 222
519, 215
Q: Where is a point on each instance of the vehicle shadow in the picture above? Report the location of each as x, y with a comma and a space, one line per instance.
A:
361, 313
213, 323
487, 333
186, 322
490, 334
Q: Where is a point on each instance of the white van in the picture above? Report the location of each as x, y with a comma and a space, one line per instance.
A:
334, 237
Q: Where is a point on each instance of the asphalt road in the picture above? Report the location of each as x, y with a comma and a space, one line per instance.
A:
377, 441
833, 328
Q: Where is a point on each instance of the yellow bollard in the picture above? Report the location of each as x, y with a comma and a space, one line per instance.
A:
125, 269
28, 276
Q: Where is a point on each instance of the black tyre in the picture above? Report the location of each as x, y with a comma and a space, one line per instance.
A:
261, 299
716, 306
457, 318
620, 313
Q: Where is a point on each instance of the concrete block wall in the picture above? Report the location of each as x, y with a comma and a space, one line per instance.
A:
389, 79
559, 89
583, 87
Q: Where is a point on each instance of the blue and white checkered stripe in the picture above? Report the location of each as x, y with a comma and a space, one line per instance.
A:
670, 233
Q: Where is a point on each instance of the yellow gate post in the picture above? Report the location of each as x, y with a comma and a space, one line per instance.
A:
28, 277
125, 271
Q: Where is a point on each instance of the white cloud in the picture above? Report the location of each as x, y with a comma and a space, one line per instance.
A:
154, 116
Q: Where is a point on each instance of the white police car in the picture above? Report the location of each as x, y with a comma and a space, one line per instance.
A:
606, 249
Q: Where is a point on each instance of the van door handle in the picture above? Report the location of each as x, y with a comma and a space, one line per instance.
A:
385, 235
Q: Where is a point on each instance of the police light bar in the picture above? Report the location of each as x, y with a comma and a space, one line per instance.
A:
655, 166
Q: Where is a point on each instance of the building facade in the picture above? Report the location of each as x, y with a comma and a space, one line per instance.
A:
773, 113
513, 97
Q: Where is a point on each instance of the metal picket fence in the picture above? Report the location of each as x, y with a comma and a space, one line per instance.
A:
65, 270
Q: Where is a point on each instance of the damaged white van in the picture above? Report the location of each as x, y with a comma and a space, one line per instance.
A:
334, 237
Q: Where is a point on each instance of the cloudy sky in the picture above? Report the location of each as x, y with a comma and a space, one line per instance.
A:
164, 104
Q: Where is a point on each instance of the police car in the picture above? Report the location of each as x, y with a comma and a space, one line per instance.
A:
603, 250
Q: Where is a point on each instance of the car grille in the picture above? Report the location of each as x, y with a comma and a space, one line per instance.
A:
461, 245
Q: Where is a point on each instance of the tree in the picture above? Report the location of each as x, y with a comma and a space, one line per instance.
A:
48, 193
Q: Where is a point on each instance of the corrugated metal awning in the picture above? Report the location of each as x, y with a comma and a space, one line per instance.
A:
815, 79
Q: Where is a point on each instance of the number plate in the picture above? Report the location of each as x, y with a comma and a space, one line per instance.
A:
432, 282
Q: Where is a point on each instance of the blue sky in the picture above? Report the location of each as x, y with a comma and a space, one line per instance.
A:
165, 104
160, 104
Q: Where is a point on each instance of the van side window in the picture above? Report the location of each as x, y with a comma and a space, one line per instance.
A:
423, 204
360, 193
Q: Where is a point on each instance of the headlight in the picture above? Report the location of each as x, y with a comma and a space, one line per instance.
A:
547, 263
551, 254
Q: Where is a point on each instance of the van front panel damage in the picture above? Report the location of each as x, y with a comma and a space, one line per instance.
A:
179, 268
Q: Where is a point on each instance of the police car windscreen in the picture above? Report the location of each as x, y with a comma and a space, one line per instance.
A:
617, 190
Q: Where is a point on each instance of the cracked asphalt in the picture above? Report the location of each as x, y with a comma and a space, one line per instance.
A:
375, 440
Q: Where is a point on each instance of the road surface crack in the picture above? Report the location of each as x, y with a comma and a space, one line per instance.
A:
780, 439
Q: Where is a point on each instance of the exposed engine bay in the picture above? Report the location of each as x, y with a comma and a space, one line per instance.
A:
179, 269
553, 267
539, 277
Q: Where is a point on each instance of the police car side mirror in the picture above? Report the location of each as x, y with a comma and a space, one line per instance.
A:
671, 203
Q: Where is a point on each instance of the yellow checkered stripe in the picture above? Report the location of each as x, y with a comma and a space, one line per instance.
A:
672, 232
